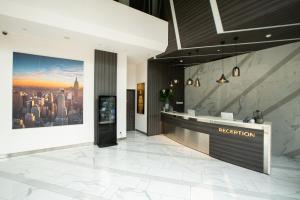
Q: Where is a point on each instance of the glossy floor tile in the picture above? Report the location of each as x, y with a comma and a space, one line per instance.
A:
140, 167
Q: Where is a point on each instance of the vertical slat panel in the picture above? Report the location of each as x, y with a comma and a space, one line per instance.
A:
105, 79
159, 75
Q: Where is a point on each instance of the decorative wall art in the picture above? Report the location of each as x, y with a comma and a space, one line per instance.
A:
140, 98
47, 91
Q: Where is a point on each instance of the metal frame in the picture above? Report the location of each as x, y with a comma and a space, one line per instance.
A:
178, 42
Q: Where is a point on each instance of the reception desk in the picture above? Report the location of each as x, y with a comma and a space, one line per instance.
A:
243, 144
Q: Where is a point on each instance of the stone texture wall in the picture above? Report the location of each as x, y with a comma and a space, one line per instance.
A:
269, 81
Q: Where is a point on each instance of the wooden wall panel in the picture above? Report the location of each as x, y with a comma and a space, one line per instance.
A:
105, 79
159, 76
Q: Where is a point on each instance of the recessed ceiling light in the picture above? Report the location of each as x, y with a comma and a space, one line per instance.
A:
218, 50
268, 35
66, 37
181, 60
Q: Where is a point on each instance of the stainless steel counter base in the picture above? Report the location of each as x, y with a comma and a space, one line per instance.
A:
192, 139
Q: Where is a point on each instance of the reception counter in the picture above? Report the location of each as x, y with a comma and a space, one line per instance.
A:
243, 144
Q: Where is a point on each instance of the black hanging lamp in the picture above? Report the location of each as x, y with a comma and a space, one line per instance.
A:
236, 72
190, 81
222, 79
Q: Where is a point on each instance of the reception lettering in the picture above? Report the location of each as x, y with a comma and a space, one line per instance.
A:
236, 132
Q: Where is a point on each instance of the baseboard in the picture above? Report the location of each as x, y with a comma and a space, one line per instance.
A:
107, 145
23, 153
141, 131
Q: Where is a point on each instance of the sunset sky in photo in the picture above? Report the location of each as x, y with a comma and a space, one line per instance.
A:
42, 71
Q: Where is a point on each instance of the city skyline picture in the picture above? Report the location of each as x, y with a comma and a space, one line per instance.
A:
47, 91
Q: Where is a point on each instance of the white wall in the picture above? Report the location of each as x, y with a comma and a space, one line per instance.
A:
19, 140
121, 94
131, 76
104, 19
141, 77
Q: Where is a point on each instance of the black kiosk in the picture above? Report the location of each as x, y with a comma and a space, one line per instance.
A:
107, 121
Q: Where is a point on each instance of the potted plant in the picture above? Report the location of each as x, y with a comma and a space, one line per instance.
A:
165, 96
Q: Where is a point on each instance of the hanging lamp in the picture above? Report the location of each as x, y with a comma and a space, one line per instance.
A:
197, 81
236, 72
222, 79
189, 81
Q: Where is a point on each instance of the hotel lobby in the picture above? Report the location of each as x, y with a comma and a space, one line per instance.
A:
149, 100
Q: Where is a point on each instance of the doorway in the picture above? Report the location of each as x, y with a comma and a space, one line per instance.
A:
130, 110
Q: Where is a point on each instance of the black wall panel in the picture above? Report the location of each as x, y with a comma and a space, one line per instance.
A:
105, 79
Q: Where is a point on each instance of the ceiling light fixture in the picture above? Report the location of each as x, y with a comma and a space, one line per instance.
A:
236, 72
190, 81
197, 83
222, 79
181, 60
268, 35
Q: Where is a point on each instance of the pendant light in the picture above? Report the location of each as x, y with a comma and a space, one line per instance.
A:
197, 81
189, 81
175, 81
171, 84
236, 72
222, 79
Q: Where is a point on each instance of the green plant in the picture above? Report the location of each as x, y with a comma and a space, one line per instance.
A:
166, 95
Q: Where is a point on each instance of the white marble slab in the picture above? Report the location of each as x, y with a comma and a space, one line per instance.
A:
218, 120
139, 168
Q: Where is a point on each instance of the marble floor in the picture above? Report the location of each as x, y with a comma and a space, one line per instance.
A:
142, 168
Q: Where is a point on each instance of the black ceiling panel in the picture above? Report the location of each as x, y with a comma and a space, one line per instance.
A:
196, 56
237, 14
195, 21
200, 40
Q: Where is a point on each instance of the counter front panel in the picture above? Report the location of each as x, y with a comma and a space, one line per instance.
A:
237, 145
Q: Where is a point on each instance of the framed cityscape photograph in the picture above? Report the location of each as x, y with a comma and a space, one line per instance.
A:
47, 91
140, 98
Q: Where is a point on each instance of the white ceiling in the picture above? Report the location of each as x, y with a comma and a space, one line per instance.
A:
22, 28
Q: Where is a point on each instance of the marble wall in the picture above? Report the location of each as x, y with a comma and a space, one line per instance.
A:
269, 81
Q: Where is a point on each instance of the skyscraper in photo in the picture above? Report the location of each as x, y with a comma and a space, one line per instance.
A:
61, 105
17, 103
76, 90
